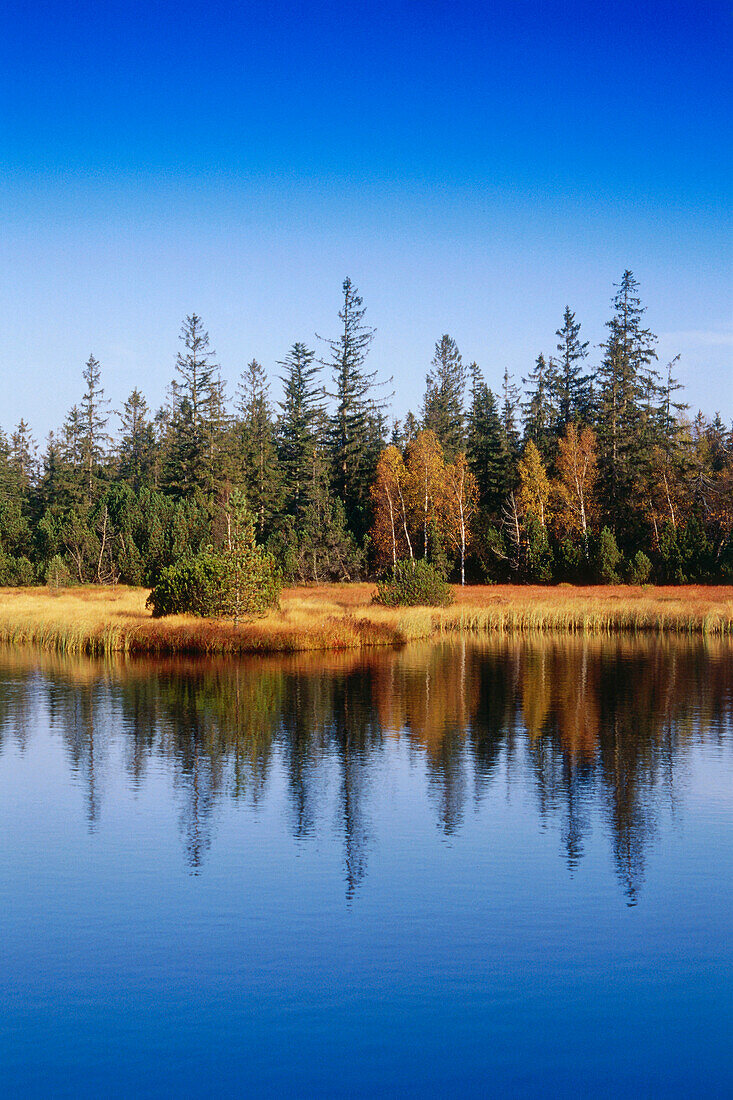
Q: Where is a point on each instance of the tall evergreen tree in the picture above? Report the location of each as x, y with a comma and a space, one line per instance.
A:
538, 410
445, 384
136, 447
95, 416
298, 426
22, 455
486, 450
625, 376
256, 446
357, 428
196, 415
509, 410
568, 383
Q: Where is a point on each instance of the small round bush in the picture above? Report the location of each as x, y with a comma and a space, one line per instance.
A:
412, 584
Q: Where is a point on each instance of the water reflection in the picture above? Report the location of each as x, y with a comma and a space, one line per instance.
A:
588, 724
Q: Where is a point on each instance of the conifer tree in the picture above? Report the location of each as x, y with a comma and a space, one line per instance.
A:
256, 446
298, 427
568, 383
136, 445
486, 451
539, 412
357, 426
94, 437
22, 455
625, 376
509, 409
197, 414
443, 411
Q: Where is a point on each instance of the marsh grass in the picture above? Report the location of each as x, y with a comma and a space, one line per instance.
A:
98, 620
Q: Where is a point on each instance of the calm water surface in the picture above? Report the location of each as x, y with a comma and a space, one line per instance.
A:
472, 869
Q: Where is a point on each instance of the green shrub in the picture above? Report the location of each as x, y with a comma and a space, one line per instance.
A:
608, 557
411, 583
15, 572
239, 581
58, 574
640, 568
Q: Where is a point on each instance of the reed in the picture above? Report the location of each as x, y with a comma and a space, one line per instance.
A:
99, 620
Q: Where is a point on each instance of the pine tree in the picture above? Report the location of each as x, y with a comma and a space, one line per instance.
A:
569, 385
22, 455
257, 452
486, 451
509, 407
357, 425
298, 426
94, 437
443, 411
538, 410
197, 413
136, 445
626, 376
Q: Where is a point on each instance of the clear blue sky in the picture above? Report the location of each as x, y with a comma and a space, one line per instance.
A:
473, 166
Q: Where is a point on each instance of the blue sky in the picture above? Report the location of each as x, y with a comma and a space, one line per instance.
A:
473, 166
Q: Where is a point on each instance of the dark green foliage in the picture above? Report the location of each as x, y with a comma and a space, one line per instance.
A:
607, 558
94, 417
241, 580
300, 429
256, 460
58, 574
571, 563
357, 427
414, 583
640, 568
538, 409
569, 387
137, 443
319, 547
488, 455
194, 451
444, 395
537, 558
100, 511
627, 389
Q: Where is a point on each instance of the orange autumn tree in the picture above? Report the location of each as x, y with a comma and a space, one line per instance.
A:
390, 530
425, 483
459, 503
577, 459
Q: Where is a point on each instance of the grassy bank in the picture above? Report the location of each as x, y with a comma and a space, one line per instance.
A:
107, 620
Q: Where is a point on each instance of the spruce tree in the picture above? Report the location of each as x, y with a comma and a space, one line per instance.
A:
626, 376
569, 386
94, 438
257, 453
357, 427
538, 410
298, 427
22, 455
486, 450
443, 411
136, 446
197, 415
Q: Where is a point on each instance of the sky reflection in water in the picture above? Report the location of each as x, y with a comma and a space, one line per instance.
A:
395, 870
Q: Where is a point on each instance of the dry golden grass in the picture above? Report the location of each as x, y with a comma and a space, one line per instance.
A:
100, 620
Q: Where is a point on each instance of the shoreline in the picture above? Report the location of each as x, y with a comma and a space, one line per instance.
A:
96, 620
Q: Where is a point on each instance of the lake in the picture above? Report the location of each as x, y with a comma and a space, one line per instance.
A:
475, 869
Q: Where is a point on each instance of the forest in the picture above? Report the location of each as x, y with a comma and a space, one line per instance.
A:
590, 468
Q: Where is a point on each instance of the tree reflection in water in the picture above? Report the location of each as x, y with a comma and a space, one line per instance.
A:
601, 723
